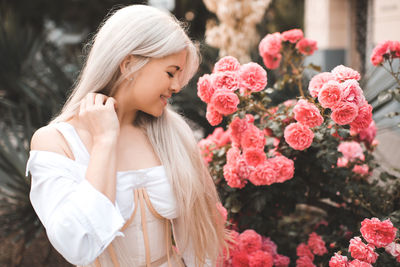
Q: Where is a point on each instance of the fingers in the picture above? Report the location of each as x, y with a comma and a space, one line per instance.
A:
99, 99
111, 102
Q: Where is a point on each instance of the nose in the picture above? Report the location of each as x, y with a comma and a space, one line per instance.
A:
175, 86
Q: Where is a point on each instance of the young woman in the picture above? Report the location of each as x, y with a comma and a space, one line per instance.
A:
117, 169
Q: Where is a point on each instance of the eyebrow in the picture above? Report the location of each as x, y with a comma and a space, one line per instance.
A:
177, 67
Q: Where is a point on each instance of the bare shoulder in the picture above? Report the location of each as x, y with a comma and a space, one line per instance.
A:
48, 138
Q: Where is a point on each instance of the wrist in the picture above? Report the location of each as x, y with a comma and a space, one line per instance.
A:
105, 140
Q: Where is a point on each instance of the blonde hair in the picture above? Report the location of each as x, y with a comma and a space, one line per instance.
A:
146, 32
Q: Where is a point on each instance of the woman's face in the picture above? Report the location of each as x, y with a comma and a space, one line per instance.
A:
153, 84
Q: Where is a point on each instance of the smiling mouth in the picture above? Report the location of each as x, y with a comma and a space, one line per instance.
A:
164, 99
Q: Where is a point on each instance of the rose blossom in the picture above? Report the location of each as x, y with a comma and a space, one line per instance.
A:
243, 169
361, 251
304, 262
338, 261
272, 61
254, 156
205, 88
206, 146
316, 244
318, 81
361, 169
307, 114
368, 134
284, 168
250, 241
261, 259
352, 92
344, 113
253, 77
269, 246
232, 155
351, 150
227, 63
270, 44
232, 178
225, 101
364, 117
298, 136
358, 263
303, 250
227, 80
385, 47
343, 73
213, 116
292, 35
236, 128
393, 249
253, 137
221, 209
330, 94
379, 234
306, 46
281, 261
342, 162
264, 174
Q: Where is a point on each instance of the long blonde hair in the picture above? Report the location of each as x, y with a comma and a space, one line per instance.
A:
146, 32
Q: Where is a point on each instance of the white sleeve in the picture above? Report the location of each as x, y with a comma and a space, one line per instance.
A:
187, 252
80, 221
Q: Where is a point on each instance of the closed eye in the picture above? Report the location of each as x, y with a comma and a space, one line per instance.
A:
170, 74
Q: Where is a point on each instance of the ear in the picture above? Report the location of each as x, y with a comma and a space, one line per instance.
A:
124, 67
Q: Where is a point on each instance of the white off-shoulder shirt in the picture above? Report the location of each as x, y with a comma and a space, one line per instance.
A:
81, 222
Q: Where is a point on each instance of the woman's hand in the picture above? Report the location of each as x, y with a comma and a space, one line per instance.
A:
97, 112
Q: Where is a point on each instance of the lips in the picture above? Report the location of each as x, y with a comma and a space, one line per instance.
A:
164, 99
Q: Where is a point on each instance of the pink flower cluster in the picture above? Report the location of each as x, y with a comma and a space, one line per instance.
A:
298, 135
352, 151
217, 139
339, 91
270, 46
385, 49
377, 234
247, 161
218, 89
306, 252
254, 250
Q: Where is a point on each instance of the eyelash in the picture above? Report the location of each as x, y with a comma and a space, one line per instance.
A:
170, 74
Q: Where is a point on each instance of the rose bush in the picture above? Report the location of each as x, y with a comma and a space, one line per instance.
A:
290, 168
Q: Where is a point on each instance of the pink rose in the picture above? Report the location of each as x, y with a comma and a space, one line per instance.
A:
393, 249
227, 63
232, 155
205, 88
292, 36
232, 178
253, 137
236, 128
225, 101
304, 262
227, 80
376, 59
270, 44
307, 114
221, 209
303, 250
240, 259
306, 46
269, 246
264, 174
252, 77
206, 147
330, 94
358, 263
250, 241
391, 48
361, 169
284, 168
364, 117
243, 169
272, 61
298, 136
351, 150
361, 251
344, 113
352, 93
342, 162
213, 116
254, 156
377, 233
318, 81
338, 261
261, 259
368, 134
316, 244
343, 73
281, 261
